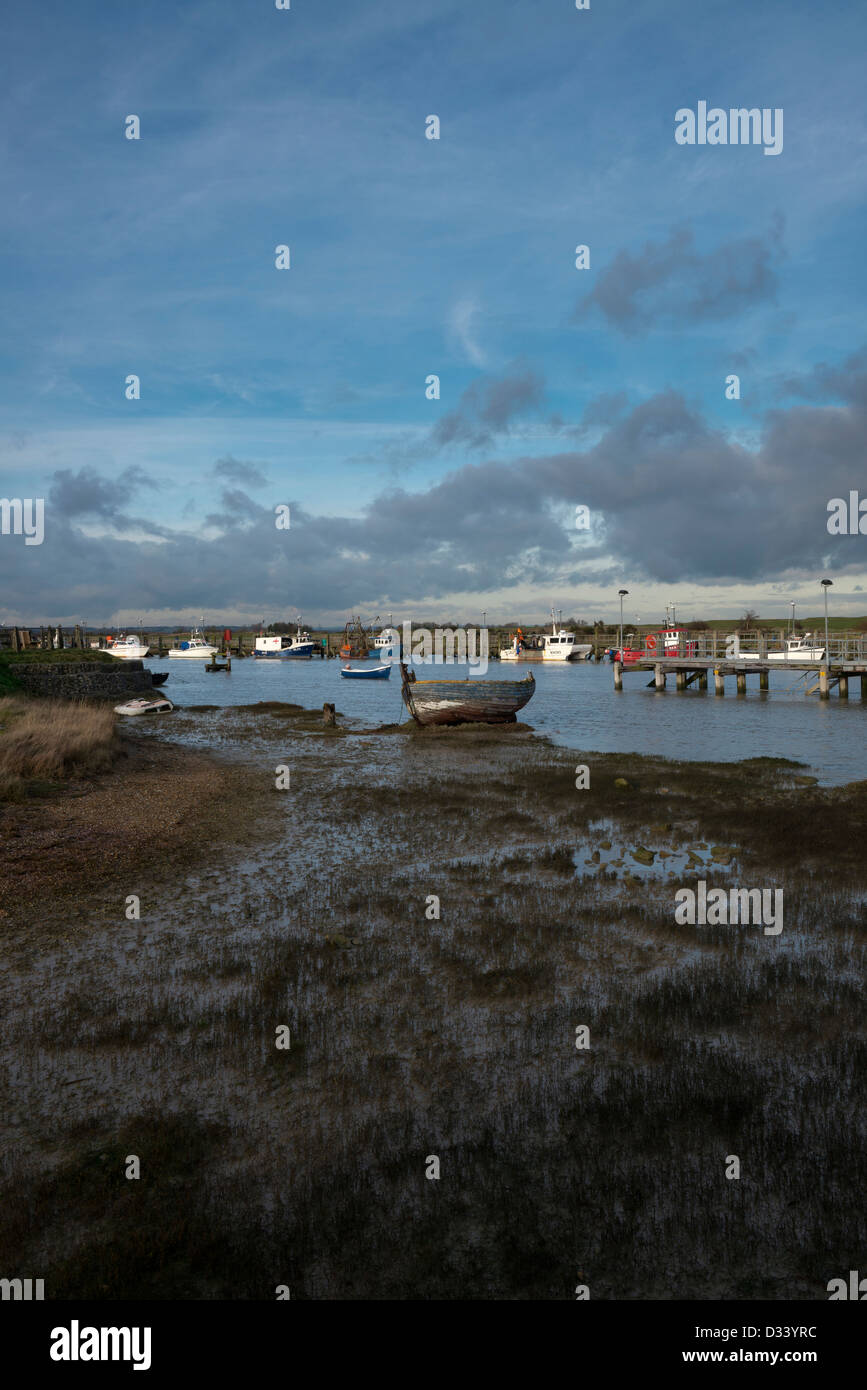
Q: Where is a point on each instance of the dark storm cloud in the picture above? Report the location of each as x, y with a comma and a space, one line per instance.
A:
847, 382
237, 471
670, 282
88, 493
672, 499
485, 411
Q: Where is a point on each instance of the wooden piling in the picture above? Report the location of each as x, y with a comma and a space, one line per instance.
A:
843, 687
659, 676
702, 680
763, 680
824, 691
680, 680
719, 683
618, 676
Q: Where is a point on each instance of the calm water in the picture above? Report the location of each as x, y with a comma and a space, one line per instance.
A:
576, 705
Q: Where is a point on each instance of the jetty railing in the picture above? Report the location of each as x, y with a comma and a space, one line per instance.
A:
716, 646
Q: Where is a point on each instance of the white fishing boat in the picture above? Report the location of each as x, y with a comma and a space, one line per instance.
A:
284, 647
128, 647
560, 645
515, 649
196, 648
387, 644
799, 649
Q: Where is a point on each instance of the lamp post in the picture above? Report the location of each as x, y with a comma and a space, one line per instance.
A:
826, 585
622, 594
484, 616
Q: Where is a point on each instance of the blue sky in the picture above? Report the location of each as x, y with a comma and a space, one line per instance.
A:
411, 257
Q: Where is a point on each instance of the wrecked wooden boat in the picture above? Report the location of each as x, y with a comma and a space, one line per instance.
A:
464, 701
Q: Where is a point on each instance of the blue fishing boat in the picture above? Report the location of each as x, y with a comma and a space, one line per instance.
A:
375, 673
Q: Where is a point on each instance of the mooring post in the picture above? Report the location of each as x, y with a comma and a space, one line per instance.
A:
719, 682
763, 680
618, 676
824, 691
742, 683
659, 676
843, 687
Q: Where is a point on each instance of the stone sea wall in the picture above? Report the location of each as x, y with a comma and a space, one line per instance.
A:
83, 680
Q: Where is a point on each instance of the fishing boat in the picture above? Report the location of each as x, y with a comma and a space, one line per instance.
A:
159, 706
128, 647
799, 649
560, 645
195, 648
387, 643
284, 647
464, 701
515, 649
373, 673
159, 677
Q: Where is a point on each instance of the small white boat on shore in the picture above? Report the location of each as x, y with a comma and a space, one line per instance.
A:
144, 706
195, 648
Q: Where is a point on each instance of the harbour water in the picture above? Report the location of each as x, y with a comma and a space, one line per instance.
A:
576, 705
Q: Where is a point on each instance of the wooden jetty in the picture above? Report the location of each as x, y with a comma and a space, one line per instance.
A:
695, 657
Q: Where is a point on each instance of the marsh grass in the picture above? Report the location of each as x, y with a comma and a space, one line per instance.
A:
55, 738
456, 1037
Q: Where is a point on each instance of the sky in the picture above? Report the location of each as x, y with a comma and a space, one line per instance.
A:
606, 387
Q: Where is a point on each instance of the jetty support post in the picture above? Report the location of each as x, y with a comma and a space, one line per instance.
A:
618, 676
824, 689
719, 682
680, 680
702, 680
659, 676
742, 682
864, 687
843, 687
763, 680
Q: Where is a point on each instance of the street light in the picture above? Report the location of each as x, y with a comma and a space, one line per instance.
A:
484, 616
826, 585
622, 593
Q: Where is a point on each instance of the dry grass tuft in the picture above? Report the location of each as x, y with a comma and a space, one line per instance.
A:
53, 739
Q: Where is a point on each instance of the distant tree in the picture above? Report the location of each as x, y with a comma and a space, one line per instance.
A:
698, 625
749, 619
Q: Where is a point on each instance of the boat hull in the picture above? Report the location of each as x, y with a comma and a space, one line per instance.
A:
381, 673
303, 654
798, 654
466, 701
